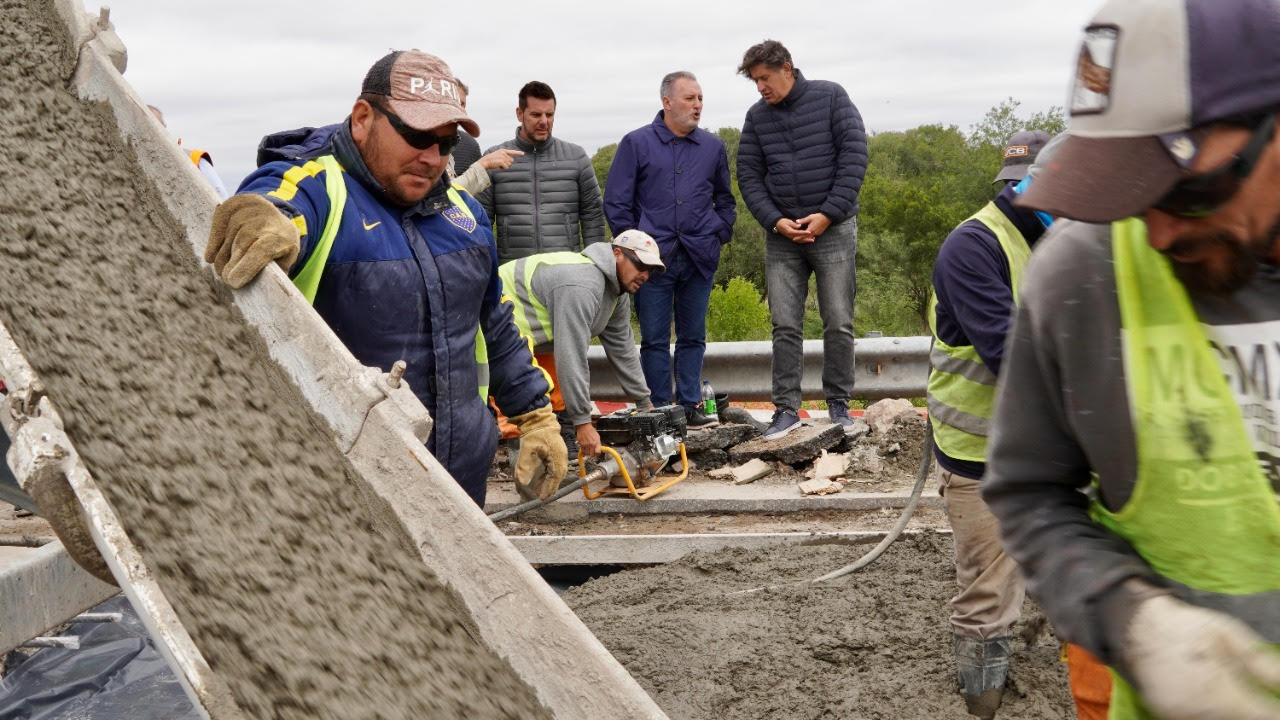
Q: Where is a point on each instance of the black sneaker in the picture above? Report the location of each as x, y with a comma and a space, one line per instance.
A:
784, 421
838, 411
570, 444
693, 417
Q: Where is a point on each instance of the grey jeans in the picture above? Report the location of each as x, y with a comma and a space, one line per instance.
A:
831, 259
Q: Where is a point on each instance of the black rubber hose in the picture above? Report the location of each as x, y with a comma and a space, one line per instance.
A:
514, 510
925, 460
19, 499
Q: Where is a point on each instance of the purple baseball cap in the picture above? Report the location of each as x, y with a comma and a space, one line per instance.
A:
1148, 74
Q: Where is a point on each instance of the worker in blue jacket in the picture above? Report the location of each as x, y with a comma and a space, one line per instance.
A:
401, 265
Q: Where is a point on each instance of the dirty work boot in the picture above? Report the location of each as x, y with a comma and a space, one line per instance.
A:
981, 667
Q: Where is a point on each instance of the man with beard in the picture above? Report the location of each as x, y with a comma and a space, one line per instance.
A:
548, 199
563, 300
398, 263
670, 179
1134, 452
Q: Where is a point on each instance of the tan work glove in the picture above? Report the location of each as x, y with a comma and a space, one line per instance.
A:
1192, 663
249, 232
543, 460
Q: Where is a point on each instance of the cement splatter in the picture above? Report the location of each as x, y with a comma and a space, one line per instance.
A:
234, 492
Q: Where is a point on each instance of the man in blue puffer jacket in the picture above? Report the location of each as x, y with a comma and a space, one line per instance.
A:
399, 264
801, 160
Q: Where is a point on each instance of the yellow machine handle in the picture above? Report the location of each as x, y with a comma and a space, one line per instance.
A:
638, 494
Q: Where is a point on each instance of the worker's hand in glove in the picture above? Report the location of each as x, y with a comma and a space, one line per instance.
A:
588, 439
1192, 663
249, 232
544, 460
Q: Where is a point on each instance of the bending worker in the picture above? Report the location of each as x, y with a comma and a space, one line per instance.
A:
564, 299
975, 286
1133, 457
399, 264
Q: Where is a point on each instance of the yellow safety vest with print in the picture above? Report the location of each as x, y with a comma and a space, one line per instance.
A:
1202, 513
307, 279
532, 317
962, 388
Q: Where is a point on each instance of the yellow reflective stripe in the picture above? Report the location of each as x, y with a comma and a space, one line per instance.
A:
307, 280
482, 363
301, 223
551, 384
456, 198
294, 175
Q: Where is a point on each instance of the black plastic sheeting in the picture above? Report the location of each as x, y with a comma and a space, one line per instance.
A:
117, 674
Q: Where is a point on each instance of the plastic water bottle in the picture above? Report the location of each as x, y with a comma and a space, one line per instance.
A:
709, 401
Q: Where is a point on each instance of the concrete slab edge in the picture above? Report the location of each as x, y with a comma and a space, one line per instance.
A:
41, 588
655, 549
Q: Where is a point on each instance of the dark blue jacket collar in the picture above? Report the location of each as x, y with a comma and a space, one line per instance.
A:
797, 91
308, 143
664, 132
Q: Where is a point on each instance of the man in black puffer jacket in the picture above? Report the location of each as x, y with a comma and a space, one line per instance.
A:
548, 200
801, 160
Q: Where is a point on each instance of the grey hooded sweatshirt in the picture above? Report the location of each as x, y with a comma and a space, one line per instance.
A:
586, 301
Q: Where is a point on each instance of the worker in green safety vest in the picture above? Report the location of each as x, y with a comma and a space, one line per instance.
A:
975, 285
1134, 457
564, 299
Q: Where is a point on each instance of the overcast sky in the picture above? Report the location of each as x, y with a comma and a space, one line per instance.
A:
226, 73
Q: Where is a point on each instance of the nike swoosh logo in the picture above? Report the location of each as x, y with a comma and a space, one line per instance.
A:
367, 226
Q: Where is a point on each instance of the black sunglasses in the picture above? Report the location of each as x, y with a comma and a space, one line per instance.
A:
635, 260
420, 139
1202, 195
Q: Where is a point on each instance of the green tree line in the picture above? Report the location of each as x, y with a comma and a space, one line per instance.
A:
920, 184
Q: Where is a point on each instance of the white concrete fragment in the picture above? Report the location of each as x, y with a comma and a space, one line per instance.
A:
820, 487
751, 471
724, 471
829, 465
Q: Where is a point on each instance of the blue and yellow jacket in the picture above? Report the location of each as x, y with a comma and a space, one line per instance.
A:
408, 284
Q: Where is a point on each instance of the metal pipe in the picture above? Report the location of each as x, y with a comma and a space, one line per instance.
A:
104, 617
885, 367
69, 642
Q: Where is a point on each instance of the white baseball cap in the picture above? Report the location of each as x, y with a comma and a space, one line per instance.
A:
640, 243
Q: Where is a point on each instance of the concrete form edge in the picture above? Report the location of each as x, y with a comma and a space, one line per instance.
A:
42, 588
517, 613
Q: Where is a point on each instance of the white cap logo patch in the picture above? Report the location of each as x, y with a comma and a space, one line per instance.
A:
432, 86
1091, 92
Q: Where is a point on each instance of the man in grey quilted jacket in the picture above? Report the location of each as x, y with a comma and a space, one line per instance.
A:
548, 200
801, 160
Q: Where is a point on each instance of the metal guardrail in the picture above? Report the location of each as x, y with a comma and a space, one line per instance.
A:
885, 367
